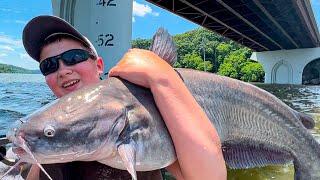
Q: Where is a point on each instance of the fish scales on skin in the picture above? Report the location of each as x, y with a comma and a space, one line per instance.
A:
117, 123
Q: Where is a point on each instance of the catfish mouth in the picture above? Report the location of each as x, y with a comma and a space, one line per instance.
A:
56, 158
32, 157
19, 151
22, 150
44, 155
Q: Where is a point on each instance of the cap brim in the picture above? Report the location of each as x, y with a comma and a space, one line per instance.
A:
39, 28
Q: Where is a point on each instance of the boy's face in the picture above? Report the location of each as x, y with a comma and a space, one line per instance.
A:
70, 78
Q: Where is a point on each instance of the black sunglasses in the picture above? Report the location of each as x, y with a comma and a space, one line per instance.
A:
69, 58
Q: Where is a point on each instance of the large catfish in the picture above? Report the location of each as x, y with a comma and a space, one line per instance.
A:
117, 123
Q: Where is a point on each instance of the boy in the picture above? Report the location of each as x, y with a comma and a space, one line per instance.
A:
69, 62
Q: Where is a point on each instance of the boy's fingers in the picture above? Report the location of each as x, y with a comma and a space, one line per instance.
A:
117, 71
113, 72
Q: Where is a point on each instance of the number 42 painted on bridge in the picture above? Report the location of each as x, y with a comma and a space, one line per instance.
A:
107, 3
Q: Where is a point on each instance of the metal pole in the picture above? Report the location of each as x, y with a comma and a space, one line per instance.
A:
215, 59
204, 54
204, 59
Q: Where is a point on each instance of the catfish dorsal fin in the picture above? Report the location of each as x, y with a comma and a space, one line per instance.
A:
164, 46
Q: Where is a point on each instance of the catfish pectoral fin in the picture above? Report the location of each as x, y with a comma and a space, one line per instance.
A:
127, 153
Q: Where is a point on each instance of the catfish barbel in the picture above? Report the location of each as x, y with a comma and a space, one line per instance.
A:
118, 124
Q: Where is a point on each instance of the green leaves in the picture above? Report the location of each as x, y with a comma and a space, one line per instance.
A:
141, 43
194, 61
237, 65
221, 55
227, 69
6, 68
252, 72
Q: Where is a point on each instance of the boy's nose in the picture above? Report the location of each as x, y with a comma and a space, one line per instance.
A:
63, 69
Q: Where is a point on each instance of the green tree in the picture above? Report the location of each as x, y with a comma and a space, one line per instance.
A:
237, 65
191, 42
223, 49
237, 59
194, 61
227, 69
6, 68
222, 55
141, 43
252, 72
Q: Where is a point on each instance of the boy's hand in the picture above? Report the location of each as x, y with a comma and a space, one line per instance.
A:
142, 67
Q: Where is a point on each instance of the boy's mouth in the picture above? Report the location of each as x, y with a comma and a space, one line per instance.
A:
70, 83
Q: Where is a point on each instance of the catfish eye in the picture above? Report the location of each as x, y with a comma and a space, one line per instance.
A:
49, 131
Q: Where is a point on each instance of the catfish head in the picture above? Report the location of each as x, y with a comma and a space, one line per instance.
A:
79, 126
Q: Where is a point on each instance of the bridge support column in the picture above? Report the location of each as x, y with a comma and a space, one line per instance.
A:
286, 66
106, 23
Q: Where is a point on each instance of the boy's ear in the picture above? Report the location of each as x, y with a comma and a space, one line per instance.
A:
100, 65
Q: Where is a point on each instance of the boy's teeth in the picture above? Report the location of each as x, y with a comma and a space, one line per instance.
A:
70, 83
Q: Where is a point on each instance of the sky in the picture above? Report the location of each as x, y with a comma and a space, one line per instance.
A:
14, 14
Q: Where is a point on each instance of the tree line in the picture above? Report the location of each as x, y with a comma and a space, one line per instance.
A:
6, 68
204, 50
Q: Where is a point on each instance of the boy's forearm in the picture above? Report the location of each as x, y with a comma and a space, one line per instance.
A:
33, 173
196, 141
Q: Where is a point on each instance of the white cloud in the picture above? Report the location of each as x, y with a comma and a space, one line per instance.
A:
9, 21
13, 52
6, 10
142, 10
10, 41
9, 46
27, 62
133, 19
6, 47
3, 54
26, 57
20, 22
155, 14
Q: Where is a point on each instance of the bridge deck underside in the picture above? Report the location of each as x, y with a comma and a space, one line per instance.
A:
262, 25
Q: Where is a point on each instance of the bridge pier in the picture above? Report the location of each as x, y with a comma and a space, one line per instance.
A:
297, 66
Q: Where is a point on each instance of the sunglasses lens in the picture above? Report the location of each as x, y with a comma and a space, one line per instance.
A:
48, 66
71, 57
74, 56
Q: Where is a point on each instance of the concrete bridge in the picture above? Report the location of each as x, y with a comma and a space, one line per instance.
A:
283, 33
296, 66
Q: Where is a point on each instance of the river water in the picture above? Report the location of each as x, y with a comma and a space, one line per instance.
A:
21, 94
